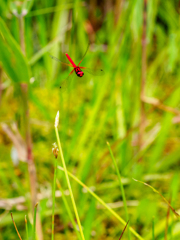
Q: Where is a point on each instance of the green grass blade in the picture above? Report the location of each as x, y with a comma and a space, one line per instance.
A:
103, 203
34, 222
68, 209
11, 57
121, 187
67, 177
89, 220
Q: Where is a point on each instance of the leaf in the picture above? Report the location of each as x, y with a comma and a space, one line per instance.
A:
89, 220
11, 58
166, 201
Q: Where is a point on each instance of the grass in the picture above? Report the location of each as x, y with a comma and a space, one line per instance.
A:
67, 177
93, 110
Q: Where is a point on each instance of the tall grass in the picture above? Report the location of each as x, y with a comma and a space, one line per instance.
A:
93, 110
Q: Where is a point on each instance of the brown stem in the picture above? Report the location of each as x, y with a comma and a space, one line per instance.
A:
1, 87
143, 78
31, 166
24, 88
30, 160
16, 227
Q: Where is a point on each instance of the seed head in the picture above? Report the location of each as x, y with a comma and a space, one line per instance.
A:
57, 120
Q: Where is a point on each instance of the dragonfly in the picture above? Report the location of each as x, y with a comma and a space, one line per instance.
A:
79, 71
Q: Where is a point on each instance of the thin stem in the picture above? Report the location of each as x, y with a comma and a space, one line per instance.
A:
30, 161
68, 208
143, 78
121, 186
27, 234
54, 190
103, 203
68, 183
1, 86
34, 223
16, 227
124, 230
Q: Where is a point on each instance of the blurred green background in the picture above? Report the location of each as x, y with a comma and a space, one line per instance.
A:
134, 106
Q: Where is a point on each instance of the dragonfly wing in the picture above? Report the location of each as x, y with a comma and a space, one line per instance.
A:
95, 72
57, 60
66, 82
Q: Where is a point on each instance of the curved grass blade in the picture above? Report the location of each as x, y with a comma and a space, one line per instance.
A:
166, 201
16, 227
102, 202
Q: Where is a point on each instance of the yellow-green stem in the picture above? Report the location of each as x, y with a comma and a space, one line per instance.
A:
103, 203
68, 209
121, 186
68, 183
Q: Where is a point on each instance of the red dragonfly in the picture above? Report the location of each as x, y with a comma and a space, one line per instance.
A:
78, 69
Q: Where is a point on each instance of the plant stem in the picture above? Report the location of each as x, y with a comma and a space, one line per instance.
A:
143, 78
1, 86
54, 190
103, 203
68, 208
68, 183
27, 234
121, 186
15, 227
34, 223
30, 161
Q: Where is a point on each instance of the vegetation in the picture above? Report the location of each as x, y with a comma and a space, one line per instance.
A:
113, 128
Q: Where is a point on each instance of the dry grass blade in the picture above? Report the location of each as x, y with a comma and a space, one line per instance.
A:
16, 227
158, 104
173, 210
124, 230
